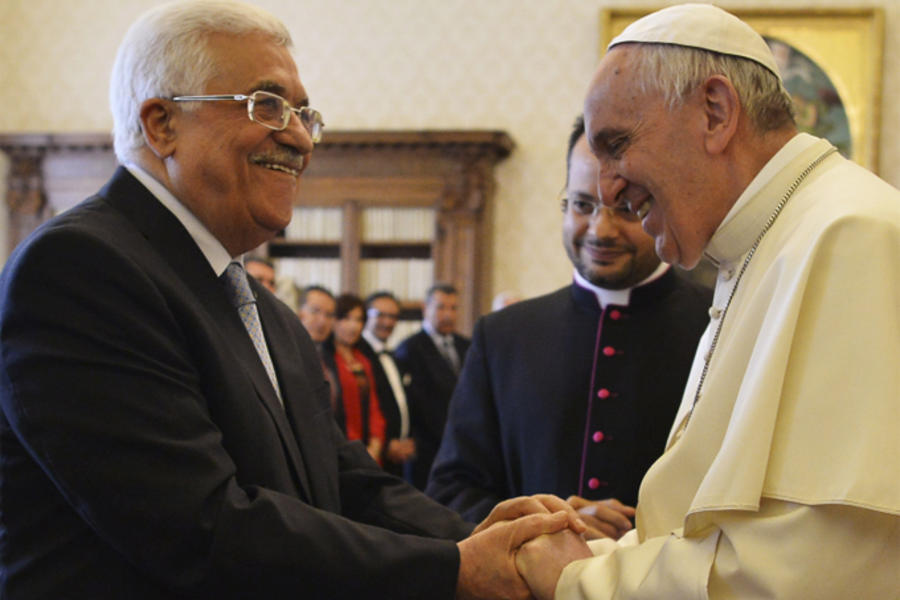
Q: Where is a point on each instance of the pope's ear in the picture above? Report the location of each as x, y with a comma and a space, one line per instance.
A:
722, 108
158, 123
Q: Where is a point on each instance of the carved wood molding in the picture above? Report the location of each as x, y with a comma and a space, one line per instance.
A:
27, 198
451, 171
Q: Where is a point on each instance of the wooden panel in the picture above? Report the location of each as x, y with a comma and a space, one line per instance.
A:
371, 191
451, 171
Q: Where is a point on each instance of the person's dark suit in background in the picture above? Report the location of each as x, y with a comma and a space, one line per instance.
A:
145, 451
430, 360
573, 393
382, 314
318, 311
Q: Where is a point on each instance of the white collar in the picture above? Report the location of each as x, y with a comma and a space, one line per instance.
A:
215, 253
377, 345
739, 229
605, 297
435, 335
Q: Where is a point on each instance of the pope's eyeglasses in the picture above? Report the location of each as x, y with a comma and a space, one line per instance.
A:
269, 110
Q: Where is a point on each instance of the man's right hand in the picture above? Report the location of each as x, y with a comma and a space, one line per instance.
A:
520, 506
487, 559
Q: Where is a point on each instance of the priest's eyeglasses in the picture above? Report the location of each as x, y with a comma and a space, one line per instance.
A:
270, 110
584, 207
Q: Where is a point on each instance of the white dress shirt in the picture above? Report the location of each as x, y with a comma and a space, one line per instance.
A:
393, 374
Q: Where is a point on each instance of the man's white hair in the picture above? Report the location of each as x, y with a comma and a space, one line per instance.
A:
165, 53
676, 71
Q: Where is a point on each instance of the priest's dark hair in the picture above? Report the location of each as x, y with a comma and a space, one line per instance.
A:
574, 136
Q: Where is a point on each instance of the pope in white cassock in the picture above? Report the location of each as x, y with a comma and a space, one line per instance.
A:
781, 475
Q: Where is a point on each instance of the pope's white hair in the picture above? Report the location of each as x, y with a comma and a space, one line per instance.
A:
676, 71
164, 54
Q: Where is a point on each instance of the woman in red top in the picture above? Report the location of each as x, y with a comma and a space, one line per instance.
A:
362, 415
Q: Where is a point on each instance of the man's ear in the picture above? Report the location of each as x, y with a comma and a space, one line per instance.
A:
158, 123
722, 110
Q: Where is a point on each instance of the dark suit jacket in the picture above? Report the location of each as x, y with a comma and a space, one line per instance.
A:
545, 376
387, 402
326, 352
429, 381
144, 453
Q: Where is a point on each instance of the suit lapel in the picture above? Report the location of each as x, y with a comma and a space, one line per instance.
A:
462, 346
296, 390
177, 248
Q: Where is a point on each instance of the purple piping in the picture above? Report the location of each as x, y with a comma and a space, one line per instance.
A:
587, 424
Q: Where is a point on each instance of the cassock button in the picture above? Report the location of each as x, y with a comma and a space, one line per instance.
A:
603, 394
598, 436
727, 274
594, 483
615, 315
608, 351
714, 312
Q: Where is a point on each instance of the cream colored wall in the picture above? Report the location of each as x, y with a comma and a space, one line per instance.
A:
517, 65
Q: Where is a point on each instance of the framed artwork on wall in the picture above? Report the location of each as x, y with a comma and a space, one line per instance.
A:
831, 63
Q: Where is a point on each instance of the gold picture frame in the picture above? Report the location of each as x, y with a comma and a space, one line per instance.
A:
846, 45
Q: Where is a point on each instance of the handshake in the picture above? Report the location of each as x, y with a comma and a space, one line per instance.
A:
521, 548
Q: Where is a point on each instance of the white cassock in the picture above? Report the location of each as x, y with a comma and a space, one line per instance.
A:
785, 482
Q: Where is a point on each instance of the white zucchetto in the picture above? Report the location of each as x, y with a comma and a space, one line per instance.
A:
701, 26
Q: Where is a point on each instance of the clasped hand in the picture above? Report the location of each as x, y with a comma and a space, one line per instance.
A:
489, 566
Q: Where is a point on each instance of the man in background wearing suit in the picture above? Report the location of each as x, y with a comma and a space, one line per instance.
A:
430, 361
573, 393
165, 428
383, 312
317, 309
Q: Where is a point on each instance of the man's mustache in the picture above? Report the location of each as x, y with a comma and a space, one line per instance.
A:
287, 157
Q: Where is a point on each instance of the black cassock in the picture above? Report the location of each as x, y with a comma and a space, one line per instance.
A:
558, 396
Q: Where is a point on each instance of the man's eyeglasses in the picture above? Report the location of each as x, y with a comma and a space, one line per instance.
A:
270, 110
316, 311
591, 208
374, 313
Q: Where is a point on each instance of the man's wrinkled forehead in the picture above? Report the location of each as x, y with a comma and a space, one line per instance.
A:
614, 78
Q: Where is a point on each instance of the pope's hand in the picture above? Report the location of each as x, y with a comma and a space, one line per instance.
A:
541, 561
604, 518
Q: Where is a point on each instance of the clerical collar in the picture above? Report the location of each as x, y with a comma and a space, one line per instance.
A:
741, 226
606, 297
215, 253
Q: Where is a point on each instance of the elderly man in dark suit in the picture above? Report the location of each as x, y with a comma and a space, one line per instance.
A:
165, 428
573, 393
430, 360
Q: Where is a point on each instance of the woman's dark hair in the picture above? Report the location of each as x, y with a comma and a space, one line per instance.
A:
346, 303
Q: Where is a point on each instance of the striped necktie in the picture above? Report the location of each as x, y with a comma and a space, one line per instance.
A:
241, 296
